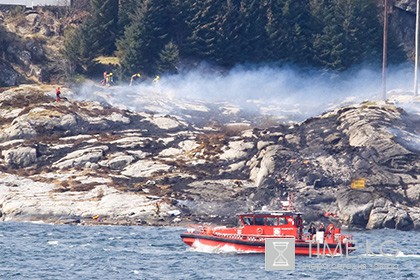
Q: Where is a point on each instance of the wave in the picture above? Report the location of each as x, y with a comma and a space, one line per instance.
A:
398, 255
225, 249
402, 255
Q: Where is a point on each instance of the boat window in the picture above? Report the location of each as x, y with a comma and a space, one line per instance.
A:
282, 221
271, 221
248, 221
259, 221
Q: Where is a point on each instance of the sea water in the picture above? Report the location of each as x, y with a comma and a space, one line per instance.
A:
43, 251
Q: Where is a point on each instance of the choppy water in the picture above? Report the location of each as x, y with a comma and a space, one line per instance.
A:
39, 251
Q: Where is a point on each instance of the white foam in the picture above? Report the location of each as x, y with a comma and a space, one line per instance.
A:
398, 255
223, 249
402, 255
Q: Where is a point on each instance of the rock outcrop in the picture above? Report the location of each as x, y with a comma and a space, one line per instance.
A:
75, 160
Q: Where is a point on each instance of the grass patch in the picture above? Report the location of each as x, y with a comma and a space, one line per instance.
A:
106, 60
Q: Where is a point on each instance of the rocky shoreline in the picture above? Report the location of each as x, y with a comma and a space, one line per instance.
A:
90, 163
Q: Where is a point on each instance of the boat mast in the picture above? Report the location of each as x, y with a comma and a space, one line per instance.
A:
416, 50
291, 201
384, 50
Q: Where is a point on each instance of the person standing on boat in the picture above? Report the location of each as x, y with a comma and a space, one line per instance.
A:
321, 227
299, 224
312, 230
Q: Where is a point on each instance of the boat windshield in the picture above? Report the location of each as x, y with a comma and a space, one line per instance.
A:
248, 221
259, 221
271, 221
264, 221
283, 221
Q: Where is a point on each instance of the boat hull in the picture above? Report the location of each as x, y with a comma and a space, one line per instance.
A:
258, 245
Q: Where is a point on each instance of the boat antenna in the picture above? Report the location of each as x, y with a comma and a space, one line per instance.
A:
290, 201
288, 205
416, 49
384, 49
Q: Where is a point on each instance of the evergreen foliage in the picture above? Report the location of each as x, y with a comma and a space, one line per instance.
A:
147, 35
154, 36
80, 47
103, 24
169, 59
4, 42
125, 10
202, 42
129, 49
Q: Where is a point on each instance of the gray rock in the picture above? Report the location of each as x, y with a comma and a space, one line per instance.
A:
20, 157
403, 221
266, 166
210, 174
18, 130
8, 76
355, 207
120, 162
82, 157
376, 219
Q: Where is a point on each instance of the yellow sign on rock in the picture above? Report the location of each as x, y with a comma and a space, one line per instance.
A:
358, 184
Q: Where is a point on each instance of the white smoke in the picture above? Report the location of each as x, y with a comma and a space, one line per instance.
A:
285, 92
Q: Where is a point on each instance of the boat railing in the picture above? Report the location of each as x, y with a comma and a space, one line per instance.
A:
251, 236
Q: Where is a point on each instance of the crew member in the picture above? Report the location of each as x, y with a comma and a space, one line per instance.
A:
109, 79
330, 230
299, 224
312, 230
321, 227
156, 80
103, 82
57, 94
135, 78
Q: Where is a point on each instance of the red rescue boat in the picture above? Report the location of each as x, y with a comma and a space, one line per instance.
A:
256, 226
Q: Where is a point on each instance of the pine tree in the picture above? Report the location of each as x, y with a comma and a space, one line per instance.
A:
275, 31
157, 22
4, 40
296, 39
104, 24
231, 31
203, 42
180, 16
129, 49
256, 22
144, 39
80, 47
169, 59
328, 42
351, 33
125, 10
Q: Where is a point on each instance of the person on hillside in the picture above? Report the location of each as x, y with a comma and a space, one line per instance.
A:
109, 79
156, 80
57, 94
103, 82
135, 78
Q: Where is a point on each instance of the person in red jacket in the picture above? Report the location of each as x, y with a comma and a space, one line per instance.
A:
57, 94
